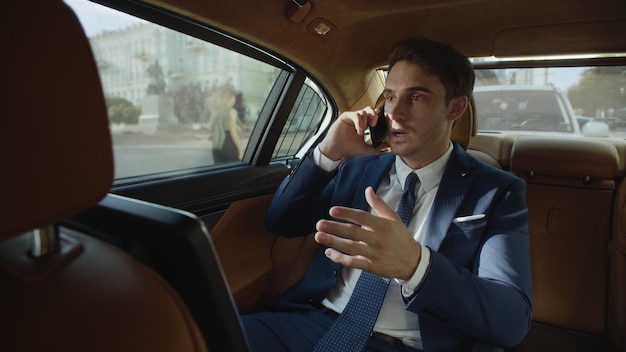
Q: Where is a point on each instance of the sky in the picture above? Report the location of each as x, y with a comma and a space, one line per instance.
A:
566, 77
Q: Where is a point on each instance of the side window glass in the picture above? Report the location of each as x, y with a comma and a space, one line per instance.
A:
175, 102
309, 116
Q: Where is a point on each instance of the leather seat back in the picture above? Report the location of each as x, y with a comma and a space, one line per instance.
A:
77, 294
465, 129
616, 322
570, 199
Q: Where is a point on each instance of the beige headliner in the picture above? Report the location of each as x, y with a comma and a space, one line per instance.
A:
365, 29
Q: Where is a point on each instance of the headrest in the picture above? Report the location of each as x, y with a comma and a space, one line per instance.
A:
571, 157
465, 128
56, 145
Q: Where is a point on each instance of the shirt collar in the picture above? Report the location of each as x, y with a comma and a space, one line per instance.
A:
430, 175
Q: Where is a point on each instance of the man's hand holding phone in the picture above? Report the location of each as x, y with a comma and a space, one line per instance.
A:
379, 132
346, 136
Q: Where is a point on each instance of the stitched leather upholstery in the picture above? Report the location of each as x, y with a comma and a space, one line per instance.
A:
57, 161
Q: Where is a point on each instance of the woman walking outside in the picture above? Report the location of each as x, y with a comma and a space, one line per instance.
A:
223, 124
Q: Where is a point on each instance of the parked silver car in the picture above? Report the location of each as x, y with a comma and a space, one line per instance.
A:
531, 109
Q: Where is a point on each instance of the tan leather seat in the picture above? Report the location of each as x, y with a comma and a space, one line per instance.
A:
616, 311
465, 126
61, 289
616, 320
465, 129
570, 200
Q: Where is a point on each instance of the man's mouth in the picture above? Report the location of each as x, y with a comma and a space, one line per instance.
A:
397, 133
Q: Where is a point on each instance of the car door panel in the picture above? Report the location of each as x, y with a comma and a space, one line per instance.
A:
258, 264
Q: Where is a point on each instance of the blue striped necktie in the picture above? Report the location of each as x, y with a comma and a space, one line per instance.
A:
353, 327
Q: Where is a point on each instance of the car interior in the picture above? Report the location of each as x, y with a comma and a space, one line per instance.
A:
92, 259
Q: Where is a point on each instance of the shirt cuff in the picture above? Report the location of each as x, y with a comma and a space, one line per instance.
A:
323, 161
409, 287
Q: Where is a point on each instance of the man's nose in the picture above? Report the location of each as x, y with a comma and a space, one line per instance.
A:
394, 112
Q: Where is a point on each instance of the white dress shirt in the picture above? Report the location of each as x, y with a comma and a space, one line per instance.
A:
394, 319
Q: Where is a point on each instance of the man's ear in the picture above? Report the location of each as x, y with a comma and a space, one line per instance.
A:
457, 106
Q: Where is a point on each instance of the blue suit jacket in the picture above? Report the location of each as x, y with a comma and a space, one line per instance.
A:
479, 283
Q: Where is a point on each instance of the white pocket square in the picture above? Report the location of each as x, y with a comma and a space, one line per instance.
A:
468, 218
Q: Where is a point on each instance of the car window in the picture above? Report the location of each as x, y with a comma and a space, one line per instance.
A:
177, 102
311, 113
526, 108
584, 101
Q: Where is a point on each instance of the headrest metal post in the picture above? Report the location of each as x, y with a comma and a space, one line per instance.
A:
45, 241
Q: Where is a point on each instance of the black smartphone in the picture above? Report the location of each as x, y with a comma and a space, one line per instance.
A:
379, 132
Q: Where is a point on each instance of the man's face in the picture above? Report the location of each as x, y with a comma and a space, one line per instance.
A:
420, 120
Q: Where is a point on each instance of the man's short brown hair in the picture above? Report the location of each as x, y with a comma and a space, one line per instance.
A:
454, 70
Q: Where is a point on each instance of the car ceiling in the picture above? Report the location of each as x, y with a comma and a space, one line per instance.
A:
364, 30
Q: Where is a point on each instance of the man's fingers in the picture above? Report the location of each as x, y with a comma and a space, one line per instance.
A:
343, 230
382, 209
362, 120
343, 251
361, 217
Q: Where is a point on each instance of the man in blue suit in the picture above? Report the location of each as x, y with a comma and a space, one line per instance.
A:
459, 271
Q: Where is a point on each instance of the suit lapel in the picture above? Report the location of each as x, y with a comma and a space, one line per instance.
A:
373, 174
455, 183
